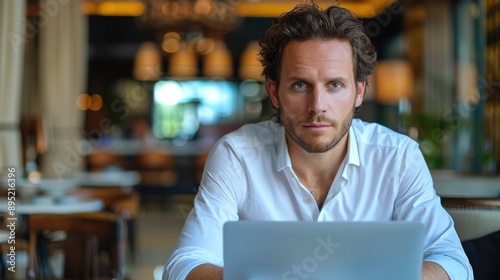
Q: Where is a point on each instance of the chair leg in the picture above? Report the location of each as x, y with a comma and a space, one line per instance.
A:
31, 272
91, 258
131, 236
74, 250
3, 267
38, 263
43, 257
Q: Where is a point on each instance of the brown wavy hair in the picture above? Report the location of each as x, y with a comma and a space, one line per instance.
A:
309, 21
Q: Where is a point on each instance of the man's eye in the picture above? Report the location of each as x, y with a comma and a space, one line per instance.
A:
336, 85
299, 85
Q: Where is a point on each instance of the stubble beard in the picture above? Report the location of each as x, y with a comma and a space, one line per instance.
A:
310, 146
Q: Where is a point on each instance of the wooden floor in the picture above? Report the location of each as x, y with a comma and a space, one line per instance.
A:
158, 228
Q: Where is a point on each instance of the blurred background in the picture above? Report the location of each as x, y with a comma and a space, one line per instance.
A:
127, 96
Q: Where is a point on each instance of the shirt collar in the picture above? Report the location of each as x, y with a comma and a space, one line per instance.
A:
352, 148
283, 158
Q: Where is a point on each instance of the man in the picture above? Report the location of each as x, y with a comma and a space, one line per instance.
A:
315, 162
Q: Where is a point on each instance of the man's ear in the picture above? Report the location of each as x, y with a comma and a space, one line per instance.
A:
273, 92
360, 92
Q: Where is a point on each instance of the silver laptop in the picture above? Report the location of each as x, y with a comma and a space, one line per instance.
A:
323, 250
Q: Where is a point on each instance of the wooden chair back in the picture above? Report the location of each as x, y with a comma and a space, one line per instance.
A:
93, 248
157, 169
102, 160
121, 201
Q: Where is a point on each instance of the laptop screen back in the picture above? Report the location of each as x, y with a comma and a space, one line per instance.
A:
323, 250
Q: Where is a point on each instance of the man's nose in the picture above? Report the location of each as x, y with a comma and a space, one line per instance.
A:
317, 101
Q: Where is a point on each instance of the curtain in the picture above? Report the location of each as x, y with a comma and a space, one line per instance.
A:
12, 22
63, 77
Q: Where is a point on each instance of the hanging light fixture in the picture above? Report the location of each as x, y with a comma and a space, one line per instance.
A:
189, 28
183, 63
218, 62
250, 65
184, 15
394, 86
147, 62
393, 81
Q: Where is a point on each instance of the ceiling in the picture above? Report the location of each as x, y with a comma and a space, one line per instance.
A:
245, 8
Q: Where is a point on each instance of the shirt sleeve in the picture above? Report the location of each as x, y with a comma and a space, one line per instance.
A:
417, 201
216, 202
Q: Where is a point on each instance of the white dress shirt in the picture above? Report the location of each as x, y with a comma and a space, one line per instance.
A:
248, 176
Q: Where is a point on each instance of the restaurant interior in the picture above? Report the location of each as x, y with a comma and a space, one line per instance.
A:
109, 108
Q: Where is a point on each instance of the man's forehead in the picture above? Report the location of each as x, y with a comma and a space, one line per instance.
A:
329, 54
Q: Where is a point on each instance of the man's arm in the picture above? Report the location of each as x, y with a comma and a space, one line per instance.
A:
417, 201
200, 242
432, 271
206, 272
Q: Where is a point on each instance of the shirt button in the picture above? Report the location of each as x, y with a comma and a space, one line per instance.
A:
308, 200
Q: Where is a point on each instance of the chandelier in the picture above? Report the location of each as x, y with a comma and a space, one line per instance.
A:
207, 16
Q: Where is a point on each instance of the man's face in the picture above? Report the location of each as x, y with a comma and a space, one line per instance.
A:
317, 93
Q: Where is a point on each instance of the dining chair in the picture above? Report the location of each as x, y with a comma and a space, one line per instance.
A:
4, 239
118, 200
157, 169
21, 241
102, 160
93, 247
473, 217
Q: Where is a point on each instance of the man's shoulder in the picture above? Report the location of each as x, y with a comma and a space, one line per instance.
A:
254, 134
377, 134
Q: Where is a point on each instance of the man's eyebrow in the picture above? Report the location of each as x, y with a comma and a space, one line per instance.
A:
339, 78
296, 78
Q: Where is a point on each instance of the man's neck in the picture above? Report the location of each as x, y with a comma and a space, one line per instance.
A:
316, 171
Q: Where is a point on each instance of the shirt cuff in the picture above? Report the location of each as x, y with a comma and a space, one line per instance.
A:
184, 260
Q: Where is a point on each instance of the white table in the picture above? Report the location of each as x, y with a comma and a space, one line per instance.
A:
25, 210
4, 236
455, 185
108, 178
70, 207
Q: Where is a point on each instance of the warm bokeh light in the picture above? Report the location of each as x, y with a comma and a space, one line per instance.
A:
83, 102
202, 7
171, 42
170, 8
204, 46
393, 81
363, 9
96, 102
113, 8
173, 35
170, 45
86, 102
